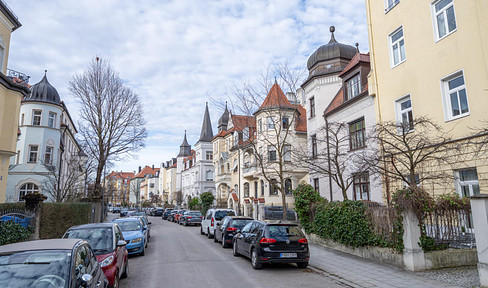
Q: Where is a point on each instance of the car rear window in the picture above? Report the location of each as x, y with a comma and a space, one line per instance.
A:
194, 213
240, 223
283, 232
221, 214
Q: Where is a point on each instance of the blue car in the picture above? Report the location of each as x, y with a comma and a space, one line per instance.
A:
133, 232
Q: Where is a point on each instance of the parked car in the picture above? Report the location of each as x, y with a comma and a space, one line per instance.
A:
166, 213
191, 218
116, 210
108, 244
228, 227
158, 212
171, 215
146, 223
50, 263
178, 215
133, 232
123, 212
272, 242
211, 219
276, 213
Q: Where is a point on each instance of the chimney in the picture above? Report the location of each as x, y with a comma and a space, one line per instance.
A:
139, 168
153, 166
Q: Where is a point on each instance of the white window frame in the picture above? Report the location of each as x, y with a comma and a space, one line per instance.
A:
209, 155
458, 183
270, 123
30, 152
287, 153
389, 6
312, 103
436, 24
51, 119
271, 148
25, 189
34, 116
446, 99
49, 154
353, 86
397, 42
399, 112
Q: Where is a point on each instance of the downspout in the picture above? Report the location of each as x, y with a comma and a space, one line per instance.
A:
239, 190
328, 156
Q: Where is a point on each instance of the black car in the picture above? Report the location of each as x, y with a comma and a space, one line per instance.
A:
166, 213
158, 212
227, 228
191, 218
50, 263
272, 242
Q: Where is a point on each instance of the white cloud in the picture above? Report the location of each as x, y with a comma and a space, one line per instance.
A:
174, 54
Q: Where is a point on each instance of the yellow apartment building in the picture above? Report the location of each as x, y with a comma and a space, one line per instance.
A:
430, 58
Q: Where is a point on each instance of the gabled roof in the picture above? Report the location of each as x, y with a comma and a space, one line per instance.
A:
146, 170
301, 125
120, 175
358, 58
275, 99
241, 121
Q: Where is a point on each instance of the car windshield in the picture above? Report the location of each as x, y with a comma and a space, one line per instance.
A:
138, 214
129, 225
221, 214
283, 232
100, 239
239, 224
35, 269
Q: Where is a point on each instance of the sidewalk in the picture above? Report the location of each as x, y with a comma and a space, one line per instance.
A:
351, 271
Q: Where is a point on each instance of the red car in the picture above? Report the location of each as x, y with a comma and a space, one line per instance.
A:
178, 216
108, 244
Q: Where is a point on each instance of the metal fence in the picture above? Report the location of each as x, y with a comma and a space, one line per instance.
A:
23, 217
382, 219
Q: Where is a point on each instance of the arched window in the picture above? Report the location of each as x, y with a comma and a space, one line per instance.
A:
26, 189
273, 187
246, 189
288, 186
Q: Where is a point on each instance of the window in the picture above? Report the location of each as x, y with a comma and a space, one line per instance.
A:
466, 182
389, 4
361, 186
273, 188
33, 153
286, 122
26, 189
260, 125
245, 133
246, 189
22, 120
397, 45
287, 153
271, 124
404, 113
209, 176
353, 87
316, 184
51, 120
236, 138
312, 107
256, 189
271, 153
417, 180
288, 187
209, 155
314, 146
36, 117
48, 156
356, 134
228, 167
17, 161
444, 18
455, 97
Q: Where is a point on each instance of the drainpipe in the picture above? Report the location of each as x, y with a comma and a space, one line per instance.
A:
239, 190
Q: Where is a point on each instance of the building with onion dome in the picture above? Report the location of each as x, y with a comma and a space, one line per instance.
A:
48, 158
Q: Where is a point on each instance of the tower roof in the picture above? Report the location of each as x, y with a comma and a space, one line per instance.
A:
43, 92
207, 134
185, 148
224, 119
275, 99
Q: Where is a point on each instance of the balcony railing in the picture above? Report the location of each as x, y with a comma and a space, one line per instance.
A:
19, 75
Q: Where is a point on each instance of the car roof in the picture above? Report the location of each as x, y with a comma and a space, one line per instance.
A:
240, 217
47, 244
92, 225
281, 222
125, 219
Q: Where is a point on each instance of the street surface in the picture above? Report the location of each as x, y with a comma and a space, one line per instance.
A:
179, 256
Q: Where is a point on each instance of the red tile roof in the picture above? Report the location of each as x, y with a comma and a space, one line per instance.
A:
355, 61
301, 124
120, 175
275, 99
241, 121
146, 170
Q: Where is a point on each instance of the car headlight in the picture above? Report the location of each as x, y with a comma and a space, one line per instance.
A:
137, 240
107, 261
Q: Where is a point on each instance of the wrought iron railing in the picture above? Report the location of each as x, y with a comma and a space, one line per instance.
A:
16, 74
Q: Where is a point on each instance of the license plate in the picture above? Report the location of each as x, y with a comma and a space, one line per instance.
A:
288, 255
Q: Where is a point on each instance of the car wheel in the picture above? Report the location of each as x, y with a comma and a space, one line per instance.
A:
143, 251
201, 231
215, 237
186, 223
302, 265
224, 245
116, 281
255, 260
234, 249
125, 274
208, 233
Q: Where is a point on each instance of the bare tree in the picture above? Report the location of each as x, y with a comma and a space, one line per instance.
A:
418, 152
112, 124
271, 146
68, 185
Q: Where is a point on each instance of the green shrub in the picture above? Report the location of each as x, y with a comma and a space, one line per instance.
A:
344, 222
206, 199
306, 201
194, 203
56, 218
10, 206
11, 232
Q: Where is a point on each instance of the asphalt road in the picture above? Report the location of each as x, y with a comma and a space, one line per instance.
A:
179, 256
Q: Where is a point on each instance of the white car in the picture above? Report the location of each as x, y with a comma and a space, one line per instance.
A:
211, 219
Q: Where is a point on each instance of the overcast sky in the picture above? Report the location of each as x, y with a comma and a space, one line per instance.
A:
175, 54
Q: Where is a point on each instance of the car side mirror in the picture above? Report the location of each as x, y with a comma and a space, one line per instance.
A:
86, 280
121, 243
149, 223
144, 228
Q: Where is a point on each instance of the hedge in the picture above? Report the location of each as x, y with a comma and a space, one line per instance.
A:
56, 218
11, 232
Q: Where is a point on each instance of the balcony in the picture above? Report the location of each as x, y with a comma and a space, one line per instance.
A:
222, 177
249, 170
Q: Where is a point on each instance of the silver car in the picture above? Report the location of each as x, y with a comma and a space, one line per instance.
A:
191, 218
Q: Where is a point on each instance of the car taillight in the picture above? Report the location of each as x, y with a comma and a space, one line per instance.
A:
267, 240
188, 217
232, 229
212, 222
303, 241
201, 217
